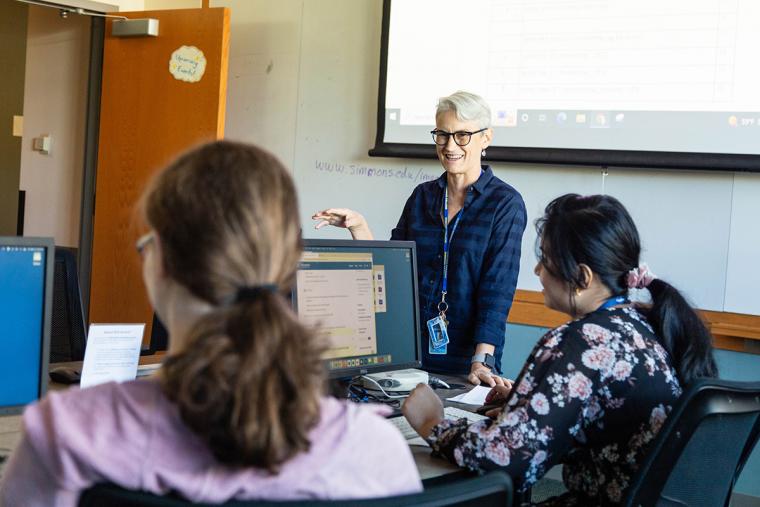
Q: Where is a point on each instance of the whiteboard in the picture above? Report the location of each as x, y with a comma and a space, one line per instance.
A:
743, 277
700, 230
682, 218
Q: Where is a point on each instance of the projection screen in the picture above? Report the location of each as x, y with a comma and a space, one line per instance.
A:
673, 84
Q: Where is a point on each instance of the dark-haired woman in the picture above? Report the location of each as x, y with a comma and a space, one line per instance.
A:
237, 410
595, 391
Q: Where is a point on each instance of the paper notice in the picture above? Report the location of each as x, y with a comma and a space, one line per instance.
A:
475, 396
112, 353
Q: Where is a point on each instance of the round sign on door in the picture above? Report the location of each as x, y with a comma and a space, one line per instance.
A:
187, 64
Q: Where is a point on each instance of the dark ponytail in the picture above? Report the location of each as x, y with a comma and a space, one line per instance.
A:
249, 377
598, 231
682, 332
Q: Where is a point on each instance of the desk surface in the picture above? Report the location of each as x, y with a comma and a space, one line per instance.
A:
430, 466
427, 465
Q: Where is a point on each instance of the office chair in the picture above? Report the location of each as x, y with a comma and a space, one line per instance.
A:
67, 334
490, 490
701, 448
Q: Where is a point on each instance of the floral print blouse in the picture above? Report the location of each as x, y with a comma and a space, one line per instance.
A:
592, 395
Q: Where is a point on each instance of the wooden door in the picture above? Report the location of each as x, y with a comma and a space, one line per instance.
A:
13, 16
147, 118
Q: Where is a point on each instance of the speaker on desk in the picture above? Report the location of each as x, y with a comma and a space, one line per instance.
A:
67, 334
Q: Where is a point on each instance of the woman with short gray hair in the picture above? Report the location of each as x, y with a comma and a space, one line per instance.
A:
468, 226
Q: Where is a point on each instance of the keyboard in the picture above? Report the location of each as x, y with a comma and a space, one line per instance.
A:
403, 426
458, 413
448, 412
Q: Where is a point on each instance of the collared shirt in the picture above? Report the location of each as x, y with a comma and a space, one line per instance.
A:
484, 261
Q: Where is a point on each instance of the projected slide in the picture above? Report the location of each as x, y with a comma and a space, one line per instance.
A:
644, 75
336, 293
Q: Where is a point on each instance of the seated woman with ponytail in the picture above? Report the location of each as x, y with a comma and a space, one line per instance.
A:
238, 409
594, 392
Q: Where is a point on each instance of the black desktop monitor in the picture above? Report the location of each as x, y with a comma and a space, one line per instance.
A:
159, 338
26, 302
362, 296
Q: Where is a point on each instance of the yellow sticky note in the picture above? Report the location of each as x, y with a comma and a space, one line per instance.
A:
18, 125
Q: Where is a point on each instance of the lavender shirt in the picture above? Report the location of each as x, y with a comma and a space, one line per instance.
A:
131, 434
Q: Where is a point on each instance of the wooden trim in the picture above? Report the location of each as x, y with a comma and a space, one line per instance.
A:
732, 331
733, 324
528, 308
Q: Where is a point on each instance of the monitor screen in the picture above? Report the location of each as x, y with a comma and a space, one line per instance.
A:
26, 283
362, 297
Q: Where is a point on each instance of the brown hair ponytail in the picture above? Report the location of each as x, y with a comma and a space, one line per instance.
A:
249, 379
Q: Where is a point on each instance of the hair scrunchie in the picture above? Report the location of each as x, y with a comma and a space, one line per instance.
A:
253, 292
640, 277
637, 280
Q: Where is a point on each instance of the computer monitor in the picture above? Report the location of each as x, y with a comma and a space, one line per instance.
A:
159, 338
26, 303
362, 296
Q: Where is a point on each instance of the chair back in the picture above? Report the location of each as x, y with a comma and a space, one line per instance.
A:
702, 446
493, 489
67, 333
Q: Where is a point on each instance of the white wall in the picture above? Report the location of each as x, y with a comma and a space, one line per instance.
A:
263, 79
55, 94
743, 278
128, 5
303, 83
156, 5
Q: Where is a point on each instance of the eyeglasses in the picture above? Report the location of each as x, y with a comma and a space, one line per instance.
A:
461, 137
144, 241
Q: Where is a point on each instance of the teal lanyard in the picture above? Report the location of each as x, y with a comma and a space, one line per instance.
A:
443, 306
613, 301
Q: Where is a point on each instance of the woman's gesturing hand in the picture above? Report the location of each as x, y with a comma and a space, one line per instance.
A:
345, 218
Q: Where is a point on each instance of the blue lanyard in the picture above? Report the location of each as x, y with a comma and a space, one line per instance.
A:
616, 300
447, 244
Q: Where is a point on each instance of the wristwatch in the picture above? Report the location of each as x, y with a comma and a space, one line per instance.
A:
487, 359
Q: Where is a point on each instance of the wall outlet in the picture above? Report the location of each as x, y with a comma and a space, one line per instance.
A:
42, 144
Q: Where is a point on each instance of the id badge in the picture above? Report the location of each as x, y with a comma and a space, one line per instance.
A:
439, 336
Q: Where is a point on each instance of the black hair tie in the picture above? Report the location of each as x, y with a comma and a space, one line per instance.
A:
254, 292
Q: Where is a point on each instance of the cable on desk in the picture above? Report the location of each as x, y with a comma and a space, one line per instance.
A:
358, 394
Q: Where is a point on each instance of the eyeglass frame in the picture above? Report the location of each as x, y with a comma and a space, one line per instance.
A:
436, 132
143, 241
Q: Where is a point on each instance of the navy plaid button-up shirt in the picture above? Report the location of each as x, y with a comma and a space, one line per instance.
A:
484, 260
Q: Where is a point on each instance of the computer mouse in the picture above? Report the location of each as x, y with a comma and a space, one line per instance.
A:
435, 382
65, 375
